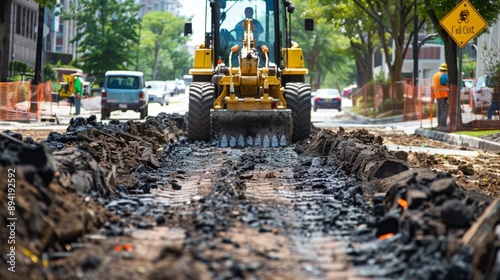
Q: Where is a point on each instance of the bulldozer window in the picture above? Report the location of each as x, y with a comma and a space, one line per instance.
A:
231, 32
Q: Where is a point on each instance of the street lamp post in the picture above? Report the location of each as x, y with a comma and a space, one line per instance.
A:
39, 45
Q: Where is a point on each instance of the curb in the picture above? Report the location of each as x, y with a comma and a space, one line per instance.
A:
459, 140
454, 139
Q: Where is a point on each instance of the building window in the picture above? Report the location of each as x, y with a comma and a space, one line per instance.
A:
31, 26
18, 20
25, 24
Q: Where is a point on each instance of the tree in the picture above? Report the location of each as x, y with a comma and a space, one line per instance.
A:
347, 20
162, 46
392, 20
437, 9
324, 49
106, 35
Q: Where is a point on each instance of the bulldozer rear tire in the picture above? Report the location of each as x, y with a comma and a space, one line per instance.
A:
298, 99
201, 100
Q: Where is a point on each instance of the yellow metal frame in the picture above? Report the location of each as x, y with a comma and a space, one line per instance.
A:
68, 81
253, 89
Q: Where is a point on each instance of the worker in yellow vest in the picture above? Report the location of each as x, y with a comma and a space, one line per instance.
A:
440, 88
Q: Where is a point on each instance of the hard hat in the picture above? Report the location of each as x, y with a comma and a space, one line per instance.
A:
443, 67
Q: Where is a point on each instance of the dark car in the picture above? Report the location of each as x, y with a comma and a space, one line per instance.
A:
327, 98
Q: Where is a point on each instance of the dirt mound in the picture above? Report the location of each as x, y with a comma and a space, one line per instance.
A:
420, 210
357, 152
66, 185
58, 188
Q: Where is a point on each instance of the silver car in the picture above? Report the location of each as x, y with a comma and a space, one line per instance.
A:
158, 92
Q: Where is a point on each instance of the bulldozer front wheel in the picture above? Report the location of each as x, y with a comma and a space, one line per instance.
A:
201, 100
298, 99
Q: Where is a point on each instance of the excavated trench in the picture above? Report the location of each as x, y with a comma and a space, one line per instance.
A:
137, 201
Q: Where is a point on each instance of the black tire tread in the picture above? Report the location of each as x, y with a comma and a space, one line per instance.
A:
298, 98
201, 99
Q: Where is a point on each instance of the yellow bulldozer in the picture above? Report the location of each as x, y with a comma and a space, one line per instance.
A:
248, 86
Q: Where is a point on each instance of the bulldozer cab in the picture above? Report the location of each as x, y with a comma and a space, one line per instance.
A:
248, 76
232, 26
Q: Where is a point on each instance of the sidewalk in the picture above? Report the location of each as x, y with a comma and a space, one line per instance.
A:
56, 114
424, 128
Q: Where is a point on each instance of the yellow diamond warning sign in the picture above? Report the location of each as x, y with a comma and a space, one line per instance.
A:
463, 23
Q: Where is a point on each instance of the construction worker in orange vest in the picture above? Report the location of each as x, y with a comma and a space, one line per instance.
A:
440, 89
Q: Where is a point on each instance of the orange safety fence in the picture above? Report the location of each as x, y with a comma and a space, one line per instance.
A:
21, 101
469, 112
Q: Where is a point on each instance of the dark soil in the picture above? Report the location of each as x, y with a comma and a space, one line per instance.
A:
137, 201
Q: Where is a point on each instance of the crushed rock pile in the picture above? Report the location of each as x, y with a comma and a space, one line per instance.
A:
56, 179
428, 226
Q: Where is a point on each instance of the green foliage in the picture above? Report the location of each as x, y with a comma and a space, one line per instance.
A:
47, 3
488, 10
491, 64
391, 105
106, 35
162, 53
56, 86
437, 9
49, 73
477, 133
325, 49
352, 22
468, 64
19, 68
426, 111
381, 79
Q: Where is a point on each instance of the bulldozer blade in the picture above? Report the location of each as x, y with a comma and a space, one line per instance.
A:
238, 129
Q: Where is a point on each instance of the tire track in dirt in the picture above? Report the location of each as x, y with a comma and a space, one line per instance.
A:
275, 182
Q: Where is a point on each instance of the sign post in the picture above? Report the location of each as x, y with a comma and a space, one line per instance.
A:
463, 24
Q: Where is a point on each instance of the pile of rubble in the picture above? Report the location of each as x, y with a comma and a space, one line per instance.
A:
428, 226
404, 223
58, 188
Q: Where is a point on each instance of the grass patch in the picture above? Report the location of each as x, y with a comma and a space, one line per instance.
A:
477, 133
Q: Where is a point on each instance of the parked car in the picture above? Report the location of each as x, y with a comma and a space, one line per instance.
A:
172, 87
157, 91
181, 86
124, 90
327, 98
